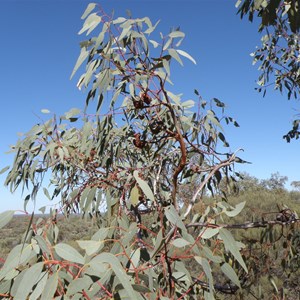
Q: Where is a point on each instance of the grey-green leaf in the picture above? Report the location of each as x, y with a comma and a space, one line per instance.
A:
144, 186
83, 55
5, 217
180, 243
120, 273
39, 287
230, 273
50, 287
231, 245
89, 8
90, 247
69, 253
29, 279
238, 208
207, 270
4, 169
78, 285
185, 54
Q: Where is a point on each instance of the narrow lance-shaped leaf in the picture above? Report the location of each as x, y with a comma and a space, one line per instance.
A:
231, 245
185, 54
207, 270
230, 273
50, 287
5, 217
120, 273
39, 287
144, 186
83, 55
89, 8
238, 208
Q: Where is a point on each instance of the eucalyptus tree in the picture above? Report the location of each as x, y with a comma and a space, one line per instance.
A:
122, 160
278, 55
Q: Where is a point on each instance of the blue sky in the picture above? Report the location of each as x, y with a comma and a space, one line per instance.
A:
40, 45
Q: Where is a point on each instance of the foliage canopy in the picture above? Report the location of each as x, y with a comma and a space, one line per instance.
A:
279, 52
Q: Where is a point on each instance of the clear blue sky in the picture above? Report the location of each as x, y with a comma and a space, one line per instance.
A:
40, 44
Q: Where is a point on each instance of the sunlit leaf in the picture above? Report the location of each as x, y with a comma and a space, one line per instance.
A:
176, 34
120, 273
78, 285
208, 233
144, 186
185, 54
89, 8
180, 243
67, 252
5, 217
83, 55
29, 279
231, 245
50, 287
207, 270
230, 273
238, 208
38, 289
134, 195
4, 169
90, 247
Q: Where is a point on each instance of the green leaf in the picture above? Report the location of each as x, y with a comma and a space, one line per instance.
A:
89, 8
141, 289
83, 55
134, 196
180, 243
46, 193
69, 253
173, 217
98, 266
72, 112
135, 258
154, 43
4, 169
45, 111
19, 255
166, 66
120, 273
42, 244
100, 235
78, 285
188, 104
39, 287
208, 233
207, 270
175, 55
230, 273
231, 245
5, 217
158, 244
90, 247
210, 256
185, 54
50, 287
176, 34
144, 186
29, 279
238, 208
